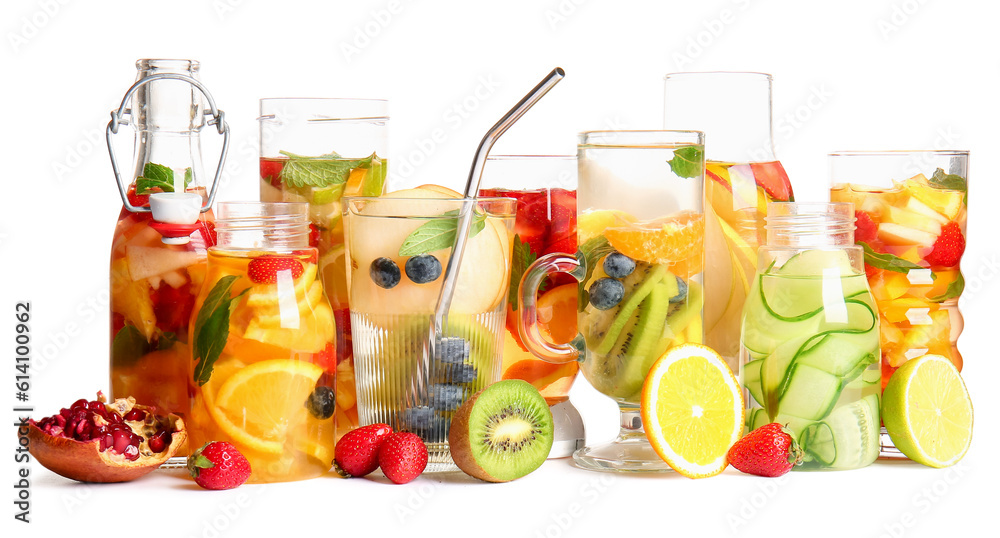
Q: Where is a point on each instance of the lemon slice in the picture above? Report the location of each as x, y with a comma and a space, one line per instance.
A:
927, 411
261, 403
692, 410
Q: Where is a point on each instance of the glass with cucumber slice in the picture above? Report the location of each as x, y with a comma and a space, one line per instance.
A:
810, 340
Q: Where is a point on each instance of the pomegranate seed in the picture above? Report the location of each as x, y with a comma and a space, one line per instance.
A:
135, 440
95, 406
114, 418
64, 412
122, 440
135, 414
107, 441
79, 404
58, 419
159, 441
82, 430
131, 452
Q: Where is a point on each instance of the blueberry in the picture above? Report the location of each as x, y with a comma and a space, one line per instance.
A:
682, 291
460, 373
451, 349
435, 431
423, 269
618, 265
606, 293
415, 418
321, 402
384, 272
446, 397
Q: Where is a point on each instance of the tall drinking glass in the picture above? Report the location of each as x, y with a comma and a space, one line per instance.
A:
394, 279
318, 151
639, 266
545, 189
911, 211
742, 175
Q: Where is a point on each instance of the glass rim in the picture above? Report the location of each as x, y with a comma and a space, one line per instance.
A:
320, 116
512, 157
160, 63
350, 201
754, 74
897, 152
640, 137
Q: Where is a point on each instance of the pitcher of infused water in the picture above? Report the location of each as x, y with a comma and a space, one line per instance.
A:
164, 230
810, 342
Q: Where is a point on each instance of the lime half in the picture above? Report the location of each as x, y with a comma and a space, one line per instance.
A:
927, 411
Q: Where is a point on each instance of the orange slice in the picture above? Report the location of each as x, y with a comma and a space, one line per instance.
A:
258, 405
692, 410
557, 313
676, 241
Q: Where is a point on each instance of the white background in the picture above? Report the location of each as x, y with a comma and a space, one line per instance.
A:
847, 75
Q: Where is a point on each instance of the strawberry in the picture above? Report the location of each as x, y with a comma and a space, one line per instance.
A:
402, 457
207, 229
766, 451
313, 235
867, 229
137, 200
566, 244
218, 465
948, 247
270, 171
356, 453
264, 269
327, 358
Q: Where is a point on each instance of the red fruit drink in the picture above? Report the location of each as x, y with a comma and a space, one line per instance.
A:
545, 223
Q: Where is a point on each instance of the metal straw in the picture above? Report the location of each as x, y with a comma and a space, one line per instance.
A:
472, 190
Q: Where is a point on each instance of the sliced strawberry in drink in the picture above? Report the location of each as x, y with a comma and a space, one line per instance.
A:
207, 230
563, 212
342, 317
265, 269
270, 170
172, 306
565, 244
718, 179
867, 228
772, 178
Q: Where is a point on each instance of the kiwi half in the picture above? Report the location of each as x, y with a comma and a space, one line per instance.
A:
502, 433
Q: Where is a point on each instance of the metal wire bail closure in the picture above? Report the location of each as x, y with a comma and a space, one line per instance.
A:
122, 116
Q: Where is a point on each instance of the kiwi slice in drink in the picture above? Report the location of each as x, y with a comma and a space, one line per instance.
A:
502, 433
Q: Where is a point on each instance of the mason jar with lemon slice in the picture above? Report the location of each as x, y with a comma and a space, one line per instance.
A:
264, 366
318, 151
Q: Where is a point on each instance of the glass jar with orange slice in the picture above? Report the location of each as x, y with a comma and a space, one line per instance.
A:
317, 151
545, 189
639, 266
263, 366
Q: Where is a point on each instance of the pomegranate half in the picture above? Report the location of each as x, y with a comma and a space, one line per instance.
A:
100, 442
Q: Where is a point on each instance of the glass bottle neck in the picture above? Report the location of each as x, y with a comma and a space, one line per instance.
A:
733, 108
810, 225
280, 226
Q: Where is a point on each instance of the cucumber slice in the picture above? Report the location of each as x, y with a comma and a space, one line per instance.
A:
842, 354
756, 417
848, 438
751, 380
814, 261
810, 392
775, 369
763, 330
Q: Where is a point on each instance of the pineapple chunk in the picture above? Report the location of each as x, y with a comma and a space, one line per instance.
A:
911, 219
130, 298
897, 234
945, 202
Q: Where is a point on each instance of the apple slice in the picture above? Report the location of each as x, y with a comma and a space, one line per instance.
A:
897, 234
912, 219
144, 262
916, 206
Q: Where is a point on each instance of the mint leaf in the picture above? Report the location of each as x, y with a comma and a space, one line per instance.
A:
520, 259
688, 161
953, 182
128, 345
954, 290
158, 176
439, 233
321, 171
589, 254
211, 327
888, 262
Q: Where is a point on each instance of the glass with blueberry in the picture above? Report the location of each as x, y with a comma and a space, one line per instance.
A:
640, 229
398, 249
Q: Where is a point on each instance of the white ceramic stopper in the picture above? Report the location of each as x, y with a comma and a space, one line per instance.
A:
175, 207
